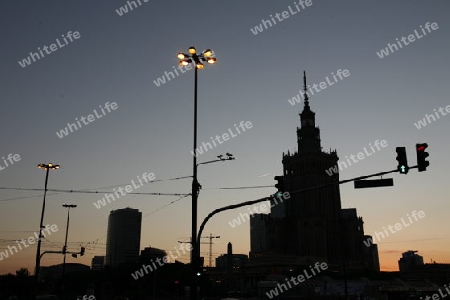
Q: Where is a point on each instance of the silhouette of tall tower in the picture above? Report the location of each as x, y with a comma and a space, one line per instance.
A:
311, 226
312, 217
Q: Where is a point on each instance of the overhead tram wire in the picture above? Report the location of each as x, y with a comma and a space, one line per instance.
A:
90, 191
172, 202
241, 187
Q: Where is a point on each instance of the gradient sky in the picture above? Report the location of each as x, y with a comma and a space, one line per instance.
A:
117, 58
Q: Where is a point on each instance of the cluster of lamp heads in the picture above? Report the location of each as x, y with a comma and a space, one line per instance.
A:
48, 166
229, 156
198, 59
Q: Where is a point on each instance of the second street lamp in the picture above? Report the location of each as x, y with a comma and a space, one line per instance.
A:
197, 60
47, 168
68, 206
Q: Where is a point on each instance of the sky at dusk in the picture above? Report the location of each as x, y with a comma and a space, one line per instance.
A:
118, 58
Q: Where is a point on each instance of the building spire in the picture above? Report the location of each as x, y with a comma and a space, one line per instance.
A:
305, 90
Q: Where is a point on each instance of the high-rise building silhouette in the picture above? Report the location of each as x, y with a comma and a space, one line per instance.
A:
312, 226
123, 237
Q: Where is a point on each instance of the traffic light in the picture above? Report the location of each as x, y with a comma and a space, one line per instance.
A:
64, 250
82, 251
402, 160
280, 184
422, 163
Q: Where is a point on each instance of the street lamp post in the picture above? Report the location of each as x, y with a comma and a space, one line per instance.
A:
197, 60
68, 206
47, 168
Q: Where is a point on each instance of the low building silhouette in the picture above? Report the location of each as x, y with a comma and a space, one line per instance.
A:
97, 263
410, 261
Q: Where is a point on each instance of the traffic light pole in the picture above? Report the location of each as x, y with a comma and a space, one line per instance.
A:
229, 207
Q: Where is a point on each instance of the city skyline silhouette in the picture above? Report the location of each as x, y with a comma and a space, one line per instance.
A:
118, 58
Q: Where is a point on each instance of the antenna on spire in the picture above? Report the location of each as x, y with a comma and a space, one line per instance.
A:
305, 89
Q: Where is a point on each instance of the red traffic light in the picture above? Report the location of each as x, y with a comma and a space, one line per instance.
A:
422, 163
421, 147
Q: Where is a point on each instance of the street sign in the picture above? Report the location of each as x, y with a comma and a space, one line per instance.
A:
360, 184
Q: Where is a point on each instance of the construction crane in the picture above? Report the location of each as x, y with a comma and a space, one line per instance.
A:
210, 237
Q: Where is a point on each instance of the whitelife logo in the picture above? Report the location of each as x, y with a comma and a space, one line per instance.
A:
71, 36
162, 80
31, 240
124, 9
284, 15
341, 164
262, 208
165, 260
11, 158
323, 85
224, 136
90, 118
398, 227
431, 118
296, 280
411, 38
128, 189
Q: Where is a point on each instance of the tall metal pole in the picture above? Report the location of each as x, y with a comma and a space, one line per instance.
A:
65, 246
343, 255
196, 60
38, 251
194, 255
154, 285
68, 206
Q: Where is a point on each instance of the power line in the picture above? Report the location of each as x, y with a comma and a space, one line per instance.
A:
241, 187
91, 190
15, 231
158, 209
